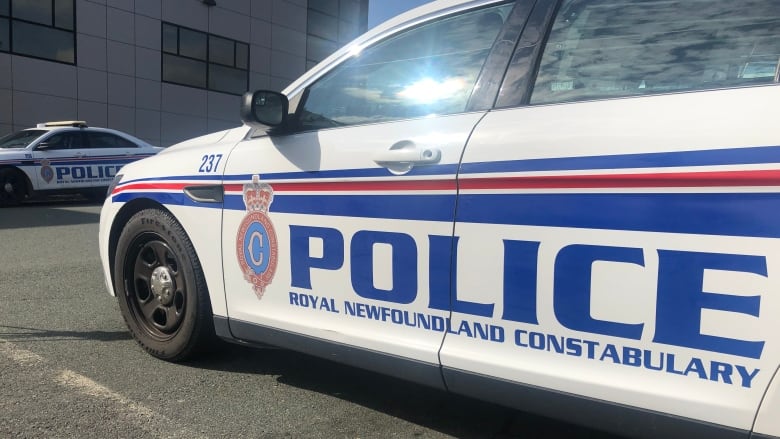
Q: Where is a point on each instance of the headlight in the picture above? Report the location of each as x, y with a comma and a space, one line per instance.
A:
113, 184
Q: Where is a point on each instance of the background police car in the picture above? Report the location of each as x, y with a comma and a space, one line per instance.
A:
595, 245
64, 157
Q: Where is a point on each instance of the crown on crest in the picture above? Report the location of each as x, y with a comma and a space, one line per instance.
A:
258, 196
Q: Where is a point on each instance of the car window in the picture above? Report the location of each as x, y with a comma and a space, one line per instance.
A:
108, 140
604, 48
428, 70
66, 140
20, 139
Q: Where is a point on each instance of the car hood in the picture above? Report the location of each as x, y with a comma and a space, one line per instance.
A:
10, 153
208, 139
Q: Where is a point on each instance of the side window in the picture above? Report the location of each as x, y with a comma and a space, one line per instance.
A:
428, 70
603, 48
67, 140
108, 140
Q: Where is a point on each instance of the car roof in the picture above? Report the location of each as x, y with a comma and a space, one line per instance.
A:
89, 128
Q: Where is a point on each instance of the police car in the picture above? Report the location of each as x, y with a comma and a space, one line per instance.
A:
67, 156
564, 206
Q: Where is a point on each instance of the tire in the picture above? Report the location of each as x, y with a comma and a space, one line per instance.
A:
161, 289
13, 187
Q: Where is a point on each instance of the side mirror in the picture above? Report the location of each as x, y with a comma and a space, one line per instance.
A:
264, 109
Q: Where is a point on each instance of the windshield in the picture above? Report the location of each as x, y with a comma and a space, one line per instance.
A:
20, 139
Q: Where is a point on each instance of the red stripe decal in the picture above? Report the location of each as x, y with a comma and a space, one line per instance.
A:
611, 181
657, 180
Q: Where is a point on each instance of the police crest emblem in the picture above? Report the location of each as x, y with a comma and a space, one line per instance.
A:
256, 244
47, 173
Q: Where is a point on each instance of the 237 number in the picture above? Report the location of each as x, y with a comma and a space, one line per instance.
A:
210, 163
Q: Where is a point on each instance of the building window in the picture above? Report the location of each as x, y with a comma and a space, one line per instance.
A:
202, 60
331, 24
39, 29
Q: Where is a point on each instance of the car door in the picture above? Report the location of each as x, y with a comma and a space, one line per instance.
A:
58, 160
339, 230
107, 154
612, 234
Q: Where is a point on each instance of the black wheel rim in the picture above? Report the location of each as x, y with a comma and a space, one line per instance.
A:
156, 311
10, 188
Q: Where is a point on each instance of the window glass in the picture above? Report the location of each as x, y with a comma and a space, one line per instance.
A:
192, 44
63, 14
38, 11
242, 56
184, 71
604, 48
4, 35
428, 70
43, 42
227, 79
221, 51
108, 140
20, 139
170, 39
4, 7
223, 67
69, 140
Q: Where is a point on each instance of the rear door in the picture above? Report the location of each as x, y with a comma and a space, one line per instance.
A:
106, 155
615, 234
340, 231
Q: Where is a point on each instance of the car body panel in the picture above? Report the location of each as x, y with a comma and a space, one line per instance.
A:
610, 261
73, 168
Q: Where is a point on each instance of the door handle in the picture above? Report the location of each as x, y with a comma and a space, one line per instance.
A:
403, 156
79, 155
414, 156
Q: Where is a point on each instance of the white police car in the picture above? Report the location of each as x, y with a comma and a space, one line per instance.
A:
567, 207
64, 156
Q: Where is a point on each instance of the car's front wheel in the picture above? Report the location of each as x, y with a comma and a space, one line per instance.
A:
12, 187
161, 288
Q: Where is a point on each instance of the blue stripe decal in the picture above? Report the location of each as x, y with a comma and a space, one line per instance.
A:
166, 198
739, 214
717, 157
706, 214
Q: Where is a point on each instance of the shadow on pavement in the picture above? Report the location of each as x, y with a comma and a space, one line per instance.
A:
450, 414
45, 214
19, 333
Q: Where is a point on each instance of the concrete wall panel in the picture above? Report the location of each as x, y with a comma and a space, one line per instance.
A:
184, 100
121, 90
44, 77
147, 32
121, 118
121, 25
121, 58
91, 18
94, 113
32, 108
92, 85
229, 24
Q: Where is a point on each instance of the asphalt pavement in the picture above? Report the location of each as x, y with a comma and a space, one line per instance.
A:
68, 367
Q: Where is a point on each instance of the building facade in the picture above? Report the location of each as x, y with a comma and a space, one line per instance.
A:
163, 70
